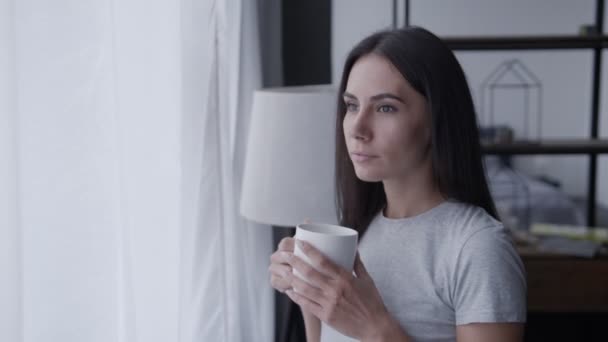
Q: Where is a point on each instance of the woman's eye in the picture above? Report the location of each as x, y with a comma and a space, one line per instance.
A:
351, 107
386, 109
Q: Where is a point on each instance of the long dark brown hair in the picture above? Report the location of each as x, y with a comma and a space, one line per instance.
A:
432, 69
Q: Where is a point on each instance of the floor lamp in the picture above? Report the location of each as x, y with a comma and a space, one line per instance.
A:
289, 169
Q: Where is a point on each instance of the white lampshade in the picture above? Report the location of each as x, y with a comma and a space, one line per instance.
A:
289, 167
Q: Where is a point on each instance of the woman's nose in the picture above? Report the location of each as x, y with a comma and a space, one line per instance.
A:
360, 136
360, 129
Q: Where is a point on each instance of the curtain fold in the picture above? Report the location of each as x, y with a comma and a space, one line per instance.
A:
232, 300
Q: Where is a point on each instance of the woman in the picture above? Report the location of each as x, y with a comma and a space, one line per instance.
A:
439, 265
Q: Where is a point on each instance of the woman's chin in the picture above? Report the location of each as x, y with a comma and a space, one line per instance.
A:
367, 176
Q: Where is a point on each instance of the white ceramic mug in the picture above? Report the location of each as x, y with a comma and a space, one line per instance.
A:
337, 243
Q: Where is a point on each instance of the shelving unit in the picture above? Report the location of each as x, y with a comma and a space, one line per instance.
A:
557, 146
591, 146
527, 42
572, 307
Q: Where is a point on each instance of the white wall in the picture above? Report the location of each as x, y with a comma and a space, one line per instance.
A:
565, 75
352, 20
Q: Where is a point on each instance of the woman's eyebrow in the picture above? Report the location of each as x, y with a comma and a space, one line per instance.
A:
376, 97
349, 95
385, 96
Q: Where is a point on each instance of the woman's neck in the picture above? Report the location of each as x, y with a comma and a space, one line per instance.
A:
411, 195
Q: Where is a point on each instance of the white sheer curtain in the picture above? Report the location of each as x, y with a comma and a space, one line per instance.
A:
117, 118
224, 257
10, 256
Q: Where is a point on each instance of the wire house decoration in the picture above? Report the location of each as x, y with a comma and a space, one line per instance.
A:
507, 86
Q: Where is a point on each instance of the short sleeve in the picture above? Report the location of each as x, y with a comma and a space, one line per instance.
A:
490, 281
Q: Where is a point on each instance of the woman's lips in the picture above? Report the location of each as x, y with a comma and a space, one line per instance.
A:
361, 157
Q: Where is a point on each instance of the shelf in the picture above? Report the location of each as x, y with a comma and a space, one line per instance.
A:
557, 146
526, 42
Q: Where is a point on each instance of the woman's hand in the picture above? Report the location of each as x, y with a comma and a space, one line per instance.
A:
350, 304
280, 269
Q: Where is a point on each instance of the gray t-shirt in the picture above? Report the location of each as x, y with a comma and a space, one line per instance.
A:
451, 265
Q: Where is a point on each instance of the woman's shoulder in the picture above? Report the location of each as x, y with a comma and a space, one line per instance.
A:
461, 221
448, 215
466, 214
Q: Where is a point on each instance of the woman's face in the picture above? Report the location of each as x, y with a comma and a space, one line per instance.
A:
387, 122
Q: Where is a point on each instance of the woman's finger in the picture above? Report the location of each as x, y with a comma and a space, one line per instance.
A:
320, 261
280, 257
280, 270
306, 304
286, 244
280, 284
280, 276
309, 273
307, 290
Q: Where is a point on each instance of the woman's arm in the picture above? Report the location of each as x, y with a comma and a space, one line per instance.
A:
491, 288
313, 327
499, 332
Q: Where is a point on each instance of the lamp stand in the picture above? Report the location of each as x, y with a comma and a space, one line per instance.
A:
289, 323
